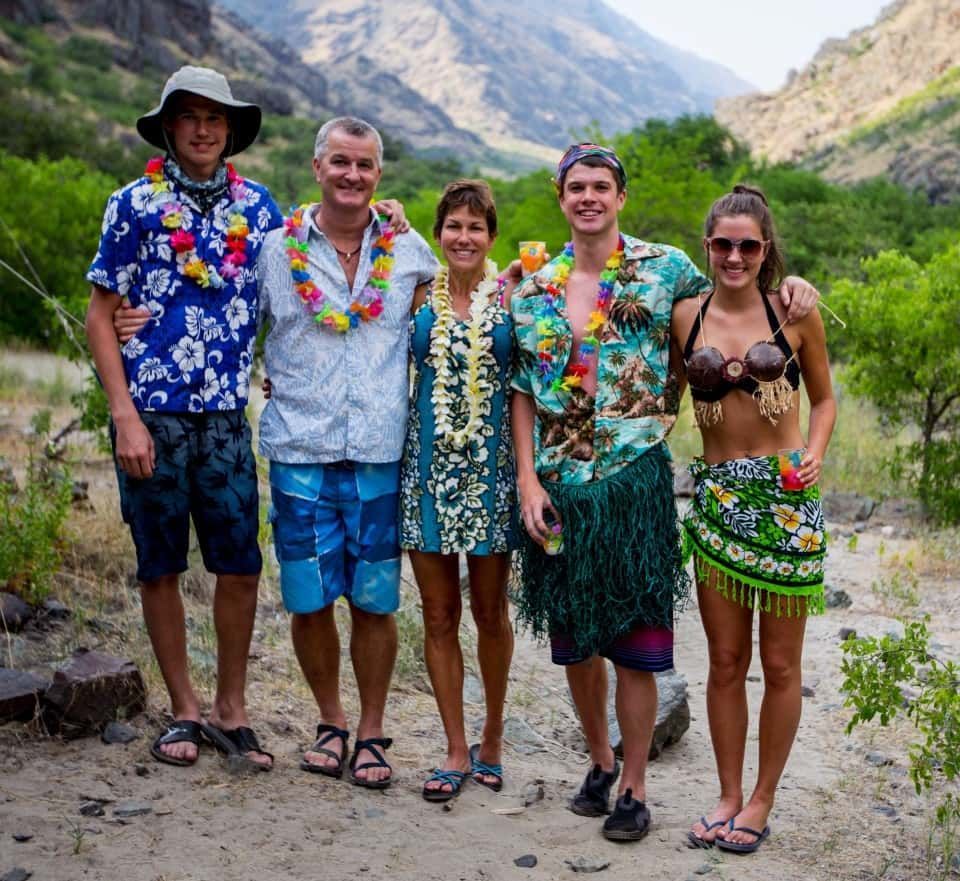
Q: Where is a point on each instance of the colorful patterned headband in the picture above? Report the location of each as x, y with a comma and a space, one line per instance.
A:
577, 152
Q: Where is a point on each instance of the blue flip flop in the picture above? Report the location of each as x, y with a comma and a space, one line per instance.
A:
454, 779
696, 841
738, 847
479, 767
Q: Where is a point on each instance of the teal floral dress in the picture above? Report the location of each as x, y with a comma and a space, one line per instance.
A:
460, 500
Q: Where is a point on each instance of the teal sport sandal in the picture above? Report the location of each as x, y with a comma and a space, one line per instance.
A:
454, 779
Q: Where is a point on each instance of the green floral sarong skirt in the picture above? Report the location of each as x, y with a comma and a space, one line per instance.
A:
759, 544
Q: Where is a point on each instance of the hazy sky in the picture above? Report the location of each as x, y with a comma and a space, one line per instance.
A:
758, 39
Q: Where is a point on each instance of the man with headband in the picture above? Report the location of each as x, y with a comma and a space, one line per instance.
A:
594, 402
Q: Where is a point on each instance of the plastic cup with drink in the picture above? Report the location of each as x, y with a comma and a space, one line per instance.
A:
532, 256
790, 469
553, 544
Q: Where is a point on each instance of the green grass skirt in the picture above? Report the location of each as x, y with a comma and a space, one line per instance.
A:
621, 563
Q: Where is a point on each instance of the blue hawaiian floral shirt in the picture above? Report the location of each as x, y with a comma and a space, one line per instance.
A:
195, 352
579, 438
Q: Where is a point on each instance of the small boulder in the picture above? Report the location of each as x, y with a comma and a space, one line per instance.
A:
472, 689
16, 874
587, 864
527, 861
848, 507
14, 613
54, 610
673, 712
846, 633
118, 732
79, 492
91, 690
533, 792
125, 809
524, 738
92, 808
20, 695
901, 512
836, 597
878, 760
886, 811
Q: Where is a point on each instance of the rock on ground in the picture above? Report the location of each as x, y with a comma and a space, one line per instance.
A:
89, 691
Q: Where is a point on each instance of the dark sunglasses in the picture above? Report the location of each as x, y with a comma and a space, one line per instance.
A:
748, 247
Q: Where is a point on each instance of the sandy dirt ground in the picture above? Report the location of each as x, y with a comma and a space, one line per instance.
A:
846, 807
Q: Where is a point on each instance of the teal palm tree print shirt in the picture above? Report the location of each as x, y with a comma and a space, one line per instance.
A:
577, 437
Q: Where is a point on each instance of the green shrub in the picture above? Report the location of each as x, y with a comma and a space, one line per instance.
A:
901, 341
887, 677
91, 403
32, 520
86, 51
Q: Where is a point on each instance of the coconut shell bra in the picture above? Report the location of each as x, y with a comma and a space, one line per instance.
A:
768, 372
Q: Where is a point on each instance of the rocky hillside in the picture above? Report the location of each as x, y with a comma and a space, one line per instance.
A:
883, 101
154, 37
523, 76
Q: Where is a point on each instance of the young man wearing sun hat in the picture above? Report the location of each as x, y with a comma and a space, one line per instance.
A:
182, 241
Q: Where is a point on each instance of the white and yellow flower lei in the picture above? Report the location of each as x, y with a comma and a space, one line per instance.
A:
441, 356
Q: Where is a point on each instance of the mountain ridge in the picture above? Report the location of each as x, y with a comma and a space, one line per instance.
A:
517, 76
885, 100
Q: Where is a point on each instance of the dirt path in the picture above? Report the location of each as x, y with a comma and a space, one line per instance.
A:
206, 824
838, 817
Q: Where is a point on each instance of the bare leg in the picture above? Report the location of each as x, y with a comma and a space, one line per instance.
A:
373, 650
488, 603
317, 645
637, 715
234, 611
166, 626
781, 647
438, 577
728, 627
588, 685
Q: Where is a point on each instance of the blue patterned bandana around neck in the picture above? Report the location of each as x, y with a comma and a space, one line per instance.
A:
205, 193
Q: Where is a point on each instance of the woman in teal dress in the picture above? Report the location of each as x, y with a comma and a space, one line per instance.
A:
458, 489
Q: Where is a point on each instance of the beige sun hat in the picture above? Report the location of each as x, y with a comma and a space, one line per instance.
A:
207, 83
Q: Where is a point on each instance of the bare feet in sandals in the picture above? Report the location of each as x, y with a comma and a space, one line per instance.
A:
233, 734
704, 831
178, 743
368, 764
328, 754
447, 780
746, 831
485, 765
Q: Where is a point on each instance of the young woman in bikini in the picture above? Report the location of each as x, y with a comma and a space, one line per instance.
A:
757, 538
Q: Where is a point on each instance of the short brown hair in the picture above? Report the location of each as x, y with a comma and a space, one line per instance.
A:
475, 195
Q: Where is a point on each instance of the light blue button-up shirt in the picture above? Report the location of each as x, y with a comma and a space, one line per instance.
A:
337, 395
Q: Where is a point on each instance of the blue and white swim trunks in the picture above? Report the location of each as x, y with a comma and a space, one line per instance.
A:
335, 534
